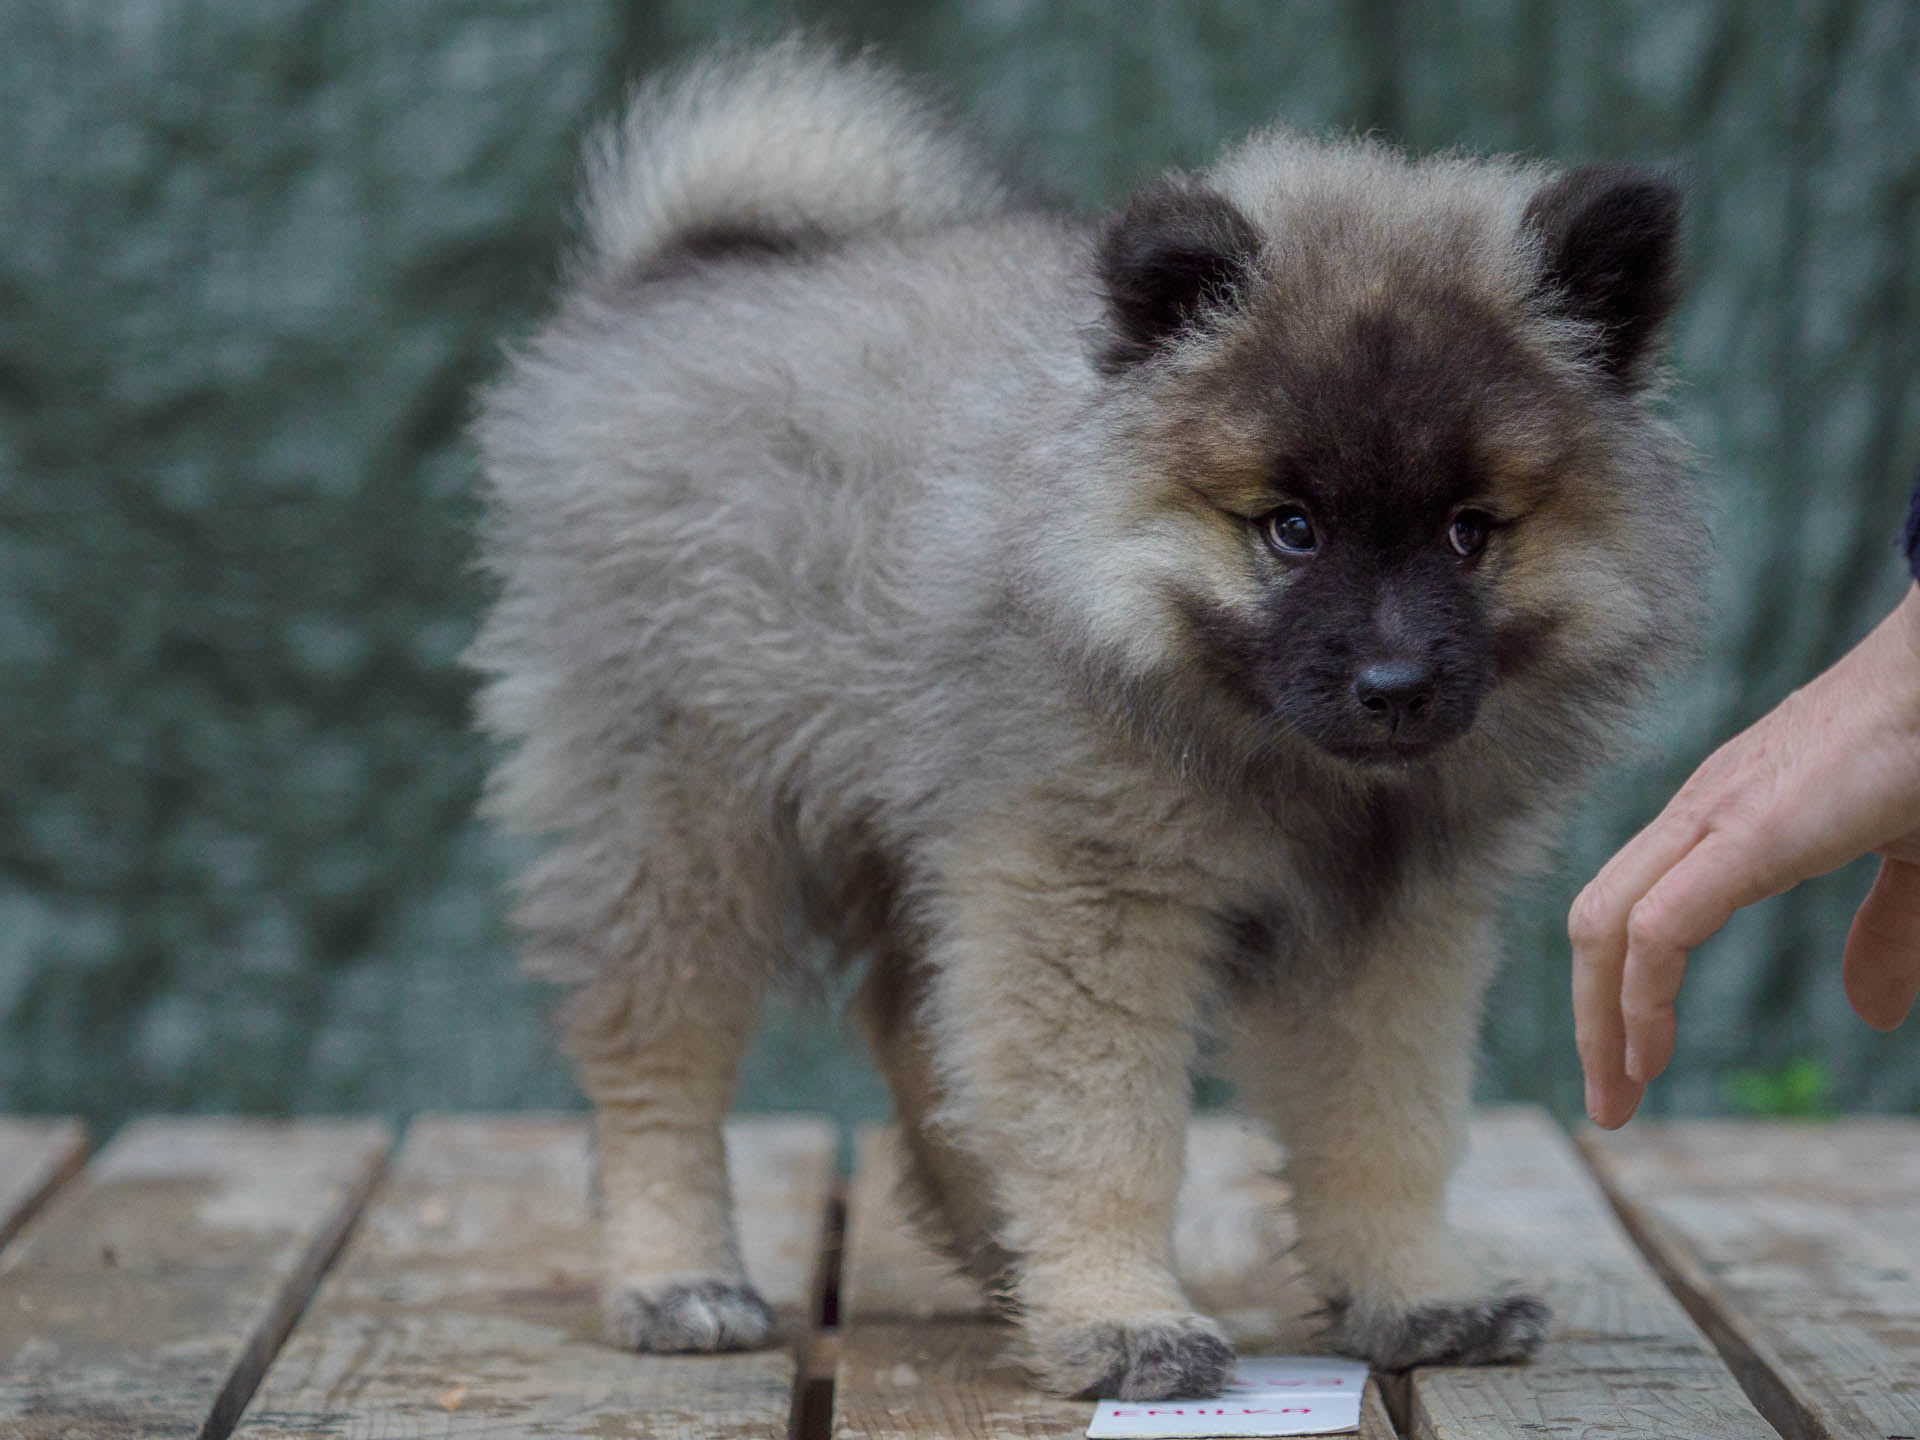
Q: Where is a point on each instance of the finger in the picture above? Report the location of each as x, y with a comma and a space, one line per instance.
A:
1687, 905
1881, 970
1600, 1036
1597, 928
1598, 1033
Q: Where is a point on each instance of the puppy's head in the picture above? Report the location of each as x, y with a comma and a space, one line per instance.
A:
1391, 470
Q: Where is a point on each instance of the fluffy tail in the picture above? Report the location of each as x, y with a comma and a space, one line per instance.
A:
766, 147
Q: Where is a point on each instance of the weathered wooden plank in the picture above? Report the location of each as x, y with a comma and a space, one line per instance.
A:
146, 1298
922, 1356
948, 1379
953, 1380
467, 1302
35, 1157
1375, 1422
1797, 1247
1622, 1357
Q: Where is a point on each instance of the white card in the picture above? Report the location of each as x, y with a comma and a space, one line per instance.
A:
1241, 1415
1297, 1375
1268, 1395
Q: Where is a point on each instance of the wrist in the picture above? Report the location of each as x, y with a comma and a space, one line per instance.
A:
1898, 651
1906, 619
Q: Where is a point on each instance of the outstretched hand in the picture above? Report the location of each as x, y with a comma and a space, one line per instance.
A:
1832, 773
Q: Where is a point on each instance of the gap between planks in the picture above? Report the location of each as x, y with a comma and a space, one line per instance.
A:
921, 1356
1796, 1246
1622, 1357
149, 1292
915, 1354
467, 1301
36, 1158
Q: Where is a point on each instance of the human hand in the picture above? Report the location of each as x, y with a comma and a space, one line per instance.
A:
1831, 773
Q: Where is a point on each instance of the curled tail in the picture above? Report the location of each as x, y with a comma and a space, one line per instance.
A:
770, 147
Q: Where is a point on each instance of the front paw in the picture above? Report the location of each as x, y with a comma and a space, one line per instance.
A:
1156, 1357
1491, 1330
687, 1314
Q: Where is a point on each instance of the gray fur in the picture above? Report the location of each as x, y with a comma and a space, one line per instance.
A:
1185, 1357
691, 1318
1492, 1330
853, 583
774, 142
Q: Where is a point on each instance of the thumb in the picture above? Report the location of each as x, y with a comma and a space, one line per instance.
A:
1882, 966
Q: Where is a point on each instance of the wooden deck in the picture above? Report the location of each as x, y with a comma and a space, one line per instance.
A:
206, 1278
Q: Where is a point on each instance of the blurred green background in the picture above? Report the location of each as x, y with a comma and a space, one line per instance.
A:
255, 258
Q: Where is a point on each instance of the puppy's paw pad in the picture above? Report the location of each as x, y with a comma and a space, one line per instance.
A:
1151, 1359
689, 1316
1492, 1330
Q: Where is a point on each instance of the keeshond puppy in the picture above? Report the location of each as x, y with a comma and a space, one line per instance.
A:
1119, 634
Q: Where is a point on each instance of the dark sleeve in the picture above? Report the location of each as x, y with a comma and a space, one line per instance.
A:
1913, 531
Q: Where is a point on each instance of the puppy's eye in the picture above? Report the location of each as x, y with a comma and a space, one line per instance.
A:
1469, 531
1289, 531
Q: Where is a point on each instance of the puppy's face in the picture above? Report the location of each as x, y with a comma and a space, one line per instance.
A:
1383, 458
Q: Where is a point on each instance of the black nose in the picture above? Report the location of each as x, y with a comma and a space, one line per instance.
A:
1396, 694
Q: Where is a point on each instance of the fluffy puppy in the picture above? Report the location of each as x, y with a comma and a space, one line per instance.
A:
1104, 627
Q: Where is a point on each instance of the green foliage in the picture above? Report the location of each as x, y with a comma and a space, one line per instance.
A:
1801, 1087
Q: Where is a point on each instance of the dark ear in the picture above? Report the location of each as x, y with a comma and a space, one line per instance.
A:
1177, 248
1612, 244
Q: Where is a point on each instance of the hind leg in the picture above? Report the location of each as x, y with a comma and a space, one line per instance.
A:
672, 1275
677, 954
947, 1189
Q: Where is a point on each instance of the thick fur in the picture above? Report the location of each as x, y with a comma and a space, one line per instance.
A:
883, 562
